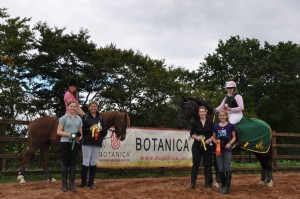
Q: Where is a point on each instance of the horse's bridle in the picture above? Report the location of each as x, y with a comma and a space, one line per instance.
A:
118, 131
184, 117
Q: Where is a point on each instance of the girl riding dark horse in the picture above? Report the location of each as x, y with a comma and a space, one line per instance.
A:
189, 108
42, 133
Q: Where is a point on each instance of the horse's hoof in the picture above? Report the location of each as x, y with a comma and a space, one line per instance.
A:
216, 185
270, 184
51, 180
262, 182
21, 179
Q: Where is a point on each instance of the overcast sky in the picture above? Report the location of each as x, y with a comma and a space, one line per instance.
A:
182, 32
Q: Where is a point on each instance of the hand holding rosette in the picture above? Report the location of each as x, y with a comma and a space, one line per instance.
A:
73, 138
218, 149
203, 141
95, 130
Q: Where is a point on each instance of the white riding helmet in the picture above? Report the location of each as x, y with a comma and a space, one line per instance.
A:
230, 84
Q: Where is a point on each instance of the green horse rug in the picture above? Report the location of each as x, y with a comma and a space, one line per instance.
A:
254, 135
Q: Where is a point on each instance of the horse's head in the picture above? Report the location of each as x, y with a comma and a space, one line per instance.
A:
121, 124
188, 109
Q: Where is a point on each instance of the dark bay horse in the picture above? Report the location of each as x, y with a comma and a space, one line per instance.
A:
42, 133
189, 108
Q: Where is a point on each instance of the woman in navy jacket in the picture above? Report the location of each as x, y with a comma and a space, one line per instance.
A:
94, 131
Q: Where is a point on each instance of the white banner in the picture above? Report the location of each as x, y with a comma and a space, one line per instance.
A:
147, 147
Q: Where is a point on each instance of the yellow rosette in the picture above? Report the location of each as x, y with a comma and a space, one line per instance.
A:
203, 141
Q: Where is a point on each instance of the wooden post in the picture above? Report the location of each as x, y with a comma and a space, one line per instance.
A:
2, 148
274, 149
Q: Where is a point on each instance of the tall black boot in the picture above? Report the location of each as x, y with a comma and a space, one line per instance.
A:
72, 171
222, 180
64, 174
217, 175
208, 178
194, 175
92, 177
84, 170
226, 189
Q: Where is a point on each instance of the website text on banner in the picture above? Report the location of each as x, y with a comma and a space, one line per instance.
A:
144, 147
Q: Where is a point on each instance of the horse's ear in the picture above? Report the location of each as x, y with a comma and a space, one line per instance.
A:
183, 98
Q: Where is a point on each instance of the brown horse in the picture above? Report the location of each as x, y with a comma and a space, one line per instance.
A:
42, 133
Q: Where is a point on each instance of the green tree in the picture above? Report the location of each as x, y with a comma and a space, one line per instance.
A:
119, 79
279, 86
137, 84
267, 77
16, 40
59, 58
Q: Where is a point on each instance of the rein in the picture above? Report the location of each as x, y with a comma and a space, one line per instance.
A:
115, 131
185, 116
190, 109
112, 132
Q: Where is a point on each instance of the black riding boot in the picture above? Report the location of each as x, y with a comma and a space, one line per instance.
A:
92, 177
222, 180
72, 171
217, 175
84, 170
64, 174
194, 175
208, 178
226, 189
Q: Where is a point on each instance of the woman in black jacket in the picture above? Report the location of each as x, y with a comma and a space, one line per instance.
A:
94, 131
201, 132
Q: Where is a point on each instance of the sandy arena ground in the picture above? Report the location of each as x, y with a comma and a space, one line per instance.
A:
286, 185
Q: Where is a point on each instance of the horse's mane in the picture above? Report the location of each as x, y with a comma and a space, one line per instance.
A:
202, 102
115, 114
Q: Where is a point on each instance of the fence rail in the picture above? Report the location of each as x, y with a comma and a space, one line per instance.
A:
275, 146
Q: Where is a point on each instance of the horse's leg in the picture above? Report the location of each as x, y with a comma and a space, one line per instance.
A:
263, 172
27, 156
268, 160
217, 175
44, 162
265, 160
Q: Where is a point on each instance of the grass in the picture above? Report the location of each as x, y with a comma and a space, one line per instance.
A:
244, 165
288, 163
